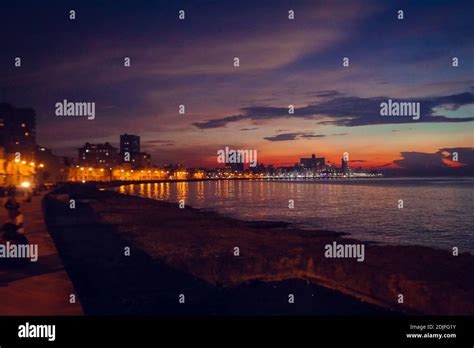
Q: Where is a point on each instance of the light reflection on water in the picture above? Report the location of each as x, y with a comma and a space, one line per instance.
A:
437, 212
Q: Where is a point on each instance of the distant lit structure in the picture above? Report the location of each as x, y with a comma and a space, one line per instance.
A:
344, 166
235, 167
130, 152
140, 160
313, 162
98, 155
129, 143
53, 168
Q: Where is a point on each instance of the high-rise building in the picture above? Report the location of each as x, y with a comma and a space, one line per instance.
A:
129, 143
130, 152
98, 155
17, 130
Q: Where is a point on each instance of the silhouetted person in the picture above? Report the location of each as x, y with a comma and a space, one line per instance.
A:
13, 208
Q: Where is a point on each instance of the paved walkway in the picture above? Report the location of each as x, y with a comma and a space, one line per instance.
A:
43, 287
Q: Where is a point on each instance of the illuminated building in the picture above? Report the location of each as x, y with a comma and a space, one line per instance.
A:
129, 143
97, 155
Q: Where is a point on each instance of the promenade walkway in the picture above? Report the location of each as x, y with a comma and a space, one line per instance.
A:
42, 287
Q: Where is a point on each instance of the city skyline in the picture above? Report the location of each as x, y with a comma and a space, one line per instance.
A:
283, 62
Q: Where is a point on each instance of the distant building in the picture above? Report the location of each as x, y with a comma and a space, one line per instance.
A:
140, 160
130, 152
343, 165
313, 162
98, 155
235, 167
129, 143
259, 169
50, 168
17, 130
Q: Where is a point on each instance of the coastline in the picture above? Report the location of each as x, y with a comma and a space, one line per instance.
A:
201, 244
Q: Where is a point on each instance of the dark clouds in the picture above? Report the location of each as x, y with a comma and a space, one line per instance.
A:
324, 94
293, 136
352, 111
438, 163
218, 123
151, 144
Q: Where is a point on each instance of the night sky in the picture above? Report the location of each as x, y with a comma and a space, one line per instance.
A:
282, 62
